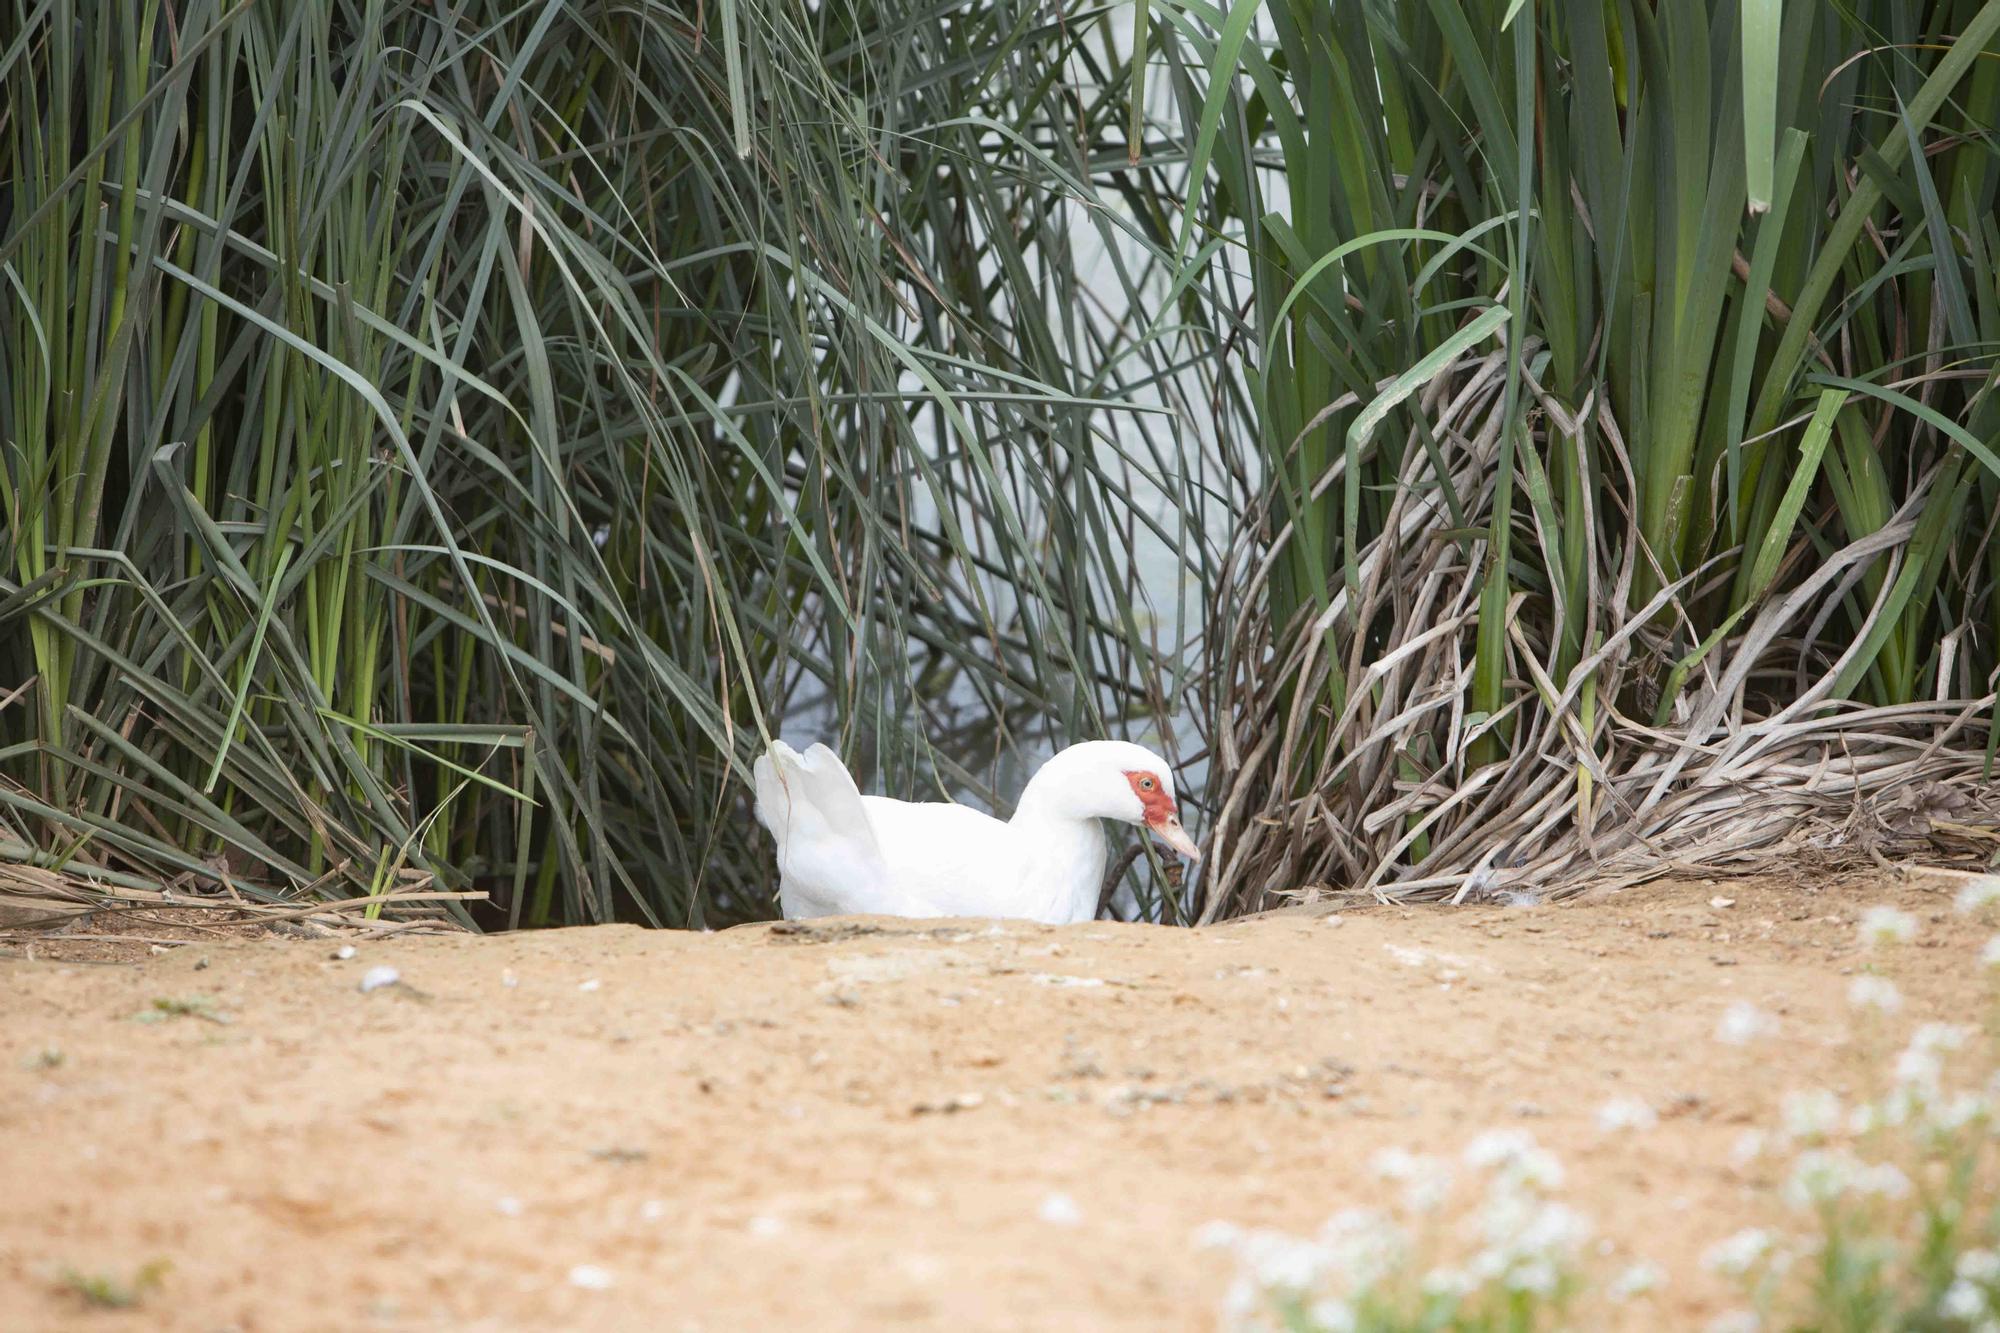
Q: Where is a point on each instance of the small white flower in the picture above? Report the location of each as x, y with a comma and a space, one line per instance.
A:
1280, 1262
1820, 1176
1918, 1071
1452, 1283
1883, 924
1739, 1253
1514, 1155
1241, 1301
1217, 1235
1743, 1023
1394, 1164
1426, 1180
1637, 1280
1811, 1116
1364, 1245
1488, 1265
1978, 893
1553, 1229
1963, 1301
1906, 1101
1626, 1113
1869, 991
1939, 1037
1978, 1266
1736, 1321
1332, 1316
378, 977
1749, 1146
1884, 1179
1497, 1146
1958, 1111
1536, 1276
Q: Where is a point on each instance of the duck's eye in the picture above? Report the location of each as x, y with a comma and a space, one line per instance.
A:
1147, 784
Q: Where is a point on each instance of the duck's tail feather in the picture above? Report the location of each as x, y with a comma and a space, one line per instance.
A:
771, 789
811, 796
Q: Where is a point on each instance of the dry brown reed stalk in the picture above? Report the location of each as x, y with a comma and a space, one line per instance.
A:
1756, 762
35, 900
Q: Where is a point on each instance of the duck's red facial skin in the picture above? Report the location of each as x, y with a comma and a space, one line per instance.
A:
1152, 794
1159, 813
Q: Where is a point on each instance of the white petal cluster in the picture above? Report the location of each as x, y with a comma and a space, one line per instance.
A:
1867, 1176
1736, 1321
1426, 1180
1636, 1280
1514, 1158
1737, 1255
1743, 1023
1883, 924
1812, 1116
1519, 1244
1822, 1176
1622, 1113
1964, 1301
1979, 894
1978, 1266
1869, 991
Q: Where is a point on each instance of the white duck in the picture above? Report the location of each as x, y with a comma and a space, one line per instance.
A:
841, 852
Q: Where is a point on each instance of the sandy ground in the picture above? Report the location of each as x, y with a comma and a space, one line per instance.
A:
855, 1129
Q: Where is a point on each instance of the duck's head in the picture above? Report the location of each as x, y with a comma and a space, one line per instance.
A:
1112, 780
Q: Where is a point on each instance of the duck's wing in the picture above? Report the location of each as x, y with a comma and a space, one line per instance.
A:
951, 857
829, 855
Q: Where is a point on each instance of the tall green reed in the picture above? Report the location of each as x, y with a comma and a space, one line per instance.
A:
1514, 300
442, 441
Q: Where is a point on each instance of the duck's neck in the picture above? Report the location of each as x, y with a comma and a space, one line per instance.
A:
1062, 857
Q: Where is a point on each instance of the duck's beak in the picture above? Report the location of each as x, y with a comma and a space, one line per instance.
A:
1169, 831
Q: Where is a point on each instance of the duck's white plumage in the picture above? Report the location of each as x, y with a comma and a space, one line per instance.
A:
842, 852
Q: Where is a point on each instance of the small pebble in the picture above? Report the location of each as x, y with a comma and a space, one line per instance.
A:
1060, 1210
591, 1278
964, 1101
764, 1226
589, 985
508, 1205
1719, 903
379, 977
344, 952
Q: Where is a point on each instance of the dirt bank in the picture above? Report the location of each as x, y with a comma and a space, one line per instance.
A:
971, 1127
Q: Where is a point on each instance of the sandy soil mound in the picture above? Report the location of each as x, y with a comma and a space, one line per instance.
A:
886, 1124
